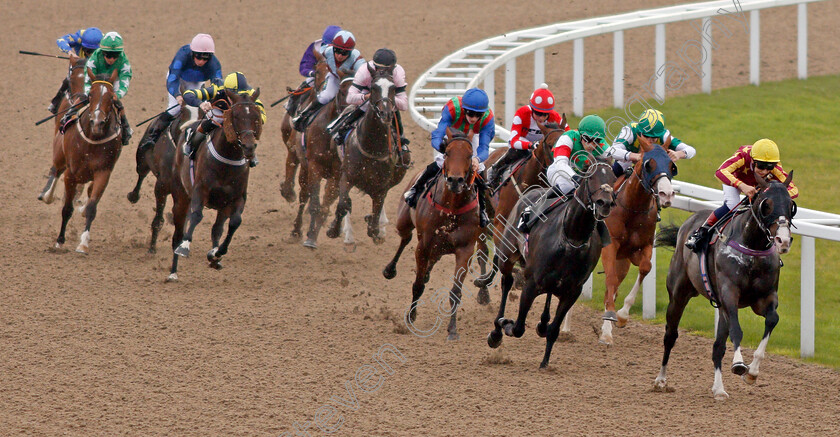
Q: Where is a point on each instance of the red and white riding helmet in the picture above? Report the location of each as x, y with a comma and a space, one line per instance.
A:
344, 40
203, 43
542, 100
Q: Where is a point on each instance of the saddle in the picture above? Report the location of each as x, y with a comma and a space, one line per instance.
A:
508, 171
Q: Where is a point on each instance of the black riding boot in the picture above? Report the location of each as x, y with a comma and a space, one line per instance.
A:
294, 100
404, 142
157, 128
412, 193
531, 213
126, 128
700, 238
197, 136
302, 120
56, 101
498, 168
483, 219
345, 125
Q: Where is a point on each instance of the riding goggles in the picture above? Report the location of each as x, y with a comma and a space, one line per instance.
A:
588, 139
341, 52
111, 55
762, 165
202, 56
471, 113
540, 114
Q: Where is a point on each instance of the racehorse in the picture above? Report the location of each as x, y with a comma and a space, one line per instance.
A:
742, 271
290, 136
321, 161
90, 152
76, 90
160, 161
217, 179
632, 226
560, 253
447, 223
372, 160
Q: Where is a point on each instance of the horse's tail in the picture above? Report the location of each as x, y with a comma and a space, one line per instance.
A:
667, 236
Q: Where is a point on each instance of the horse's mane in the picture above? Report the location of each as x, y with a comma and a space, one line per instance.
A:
459, 135
552, 125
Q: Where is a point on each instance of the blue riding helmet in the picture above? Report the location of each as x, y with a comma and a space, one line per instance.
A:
91, 37
475, 100
329, 33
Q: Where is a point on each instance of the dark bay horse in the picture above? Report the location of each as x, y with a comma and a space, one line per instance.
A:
219, 179
160, 161
447, 222
90, 151
743, 271
559, 253
75, 91
321, 161
372, 161
632, 225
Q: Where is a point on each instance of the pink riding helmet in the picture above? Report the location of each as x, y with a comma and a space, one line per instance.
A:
203, 43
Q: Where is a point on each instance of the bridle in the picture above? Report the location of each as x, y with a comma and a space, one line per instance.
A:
471, 175
590, 204
781, 221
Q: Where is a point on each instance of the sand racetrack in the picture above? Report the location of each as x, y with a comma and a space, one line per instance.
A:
100, 345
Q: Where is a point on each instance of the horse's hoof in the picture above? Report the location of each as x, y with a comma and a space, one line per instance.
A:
749, 378
453, 336
295, 234
542, 329
494, 339
377, 240
333, 232
483, 297
610, 315
183, 249
173, 277
740, 368
389, 272
605, 340
310, 244
152, 250
427, 277
211, 255
41, 197
215, 265
721, 396
621, 322
82, 249
287, 192
349, 247
660, 385
133, 197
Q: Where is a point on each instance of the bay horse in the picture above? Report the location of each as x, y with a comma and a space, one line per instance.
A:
160, 161
743, 271
218, 179
75, 90
290, 136
447, 222
90, 151
372, 161
321, 161
560, 253
632, 225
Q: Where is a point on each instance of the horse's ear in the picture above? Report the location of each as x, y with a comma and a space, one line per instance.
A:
542, 128
563, 122
114, 76
90, 74
255, 95
762, 183
789, 179
371, 70
667, 143
646, 147
73, 59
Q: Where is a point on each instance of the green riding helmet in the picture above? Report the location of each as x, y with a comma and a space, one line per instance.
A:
652, 123
111, 42
593, 126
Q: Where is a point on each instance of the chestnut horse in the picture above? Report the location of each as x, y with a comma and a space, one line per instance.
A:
447, 222
372, 161
291, 137
90, 151
218, 179
76, 90
742, 271
560, 253
632, 225
321, 161
160, 160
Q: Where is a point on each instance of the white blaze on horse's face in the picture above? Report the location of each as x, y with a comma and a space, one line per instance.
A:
782, 238
384, 86
665, 191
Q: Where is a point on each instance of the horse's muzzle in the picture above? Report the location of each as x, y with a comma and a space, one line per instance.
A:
456, 184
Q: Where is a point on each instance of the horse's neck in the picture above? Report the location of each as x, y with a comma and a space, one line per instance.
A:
371, 131
635, 195
530, 173
752, 236
577, 222
224, 147
444, 197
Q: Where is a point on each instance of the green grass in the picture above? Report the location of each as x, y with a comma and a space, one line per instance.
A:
802, 118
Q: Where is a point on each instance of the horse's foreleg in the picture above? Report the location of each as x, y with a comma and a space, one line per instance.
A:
314, 209
563, 305
771, 318
233, 225
180, 205
66, 211
680, 294
142, 169
383, 220
735, 333
390, 270
195, 215
483, 297
342, 208
641, 259
157, 222
287, 187
213, 256
611, 281
374, 218
48, 193
462, 259
718, 351
422, 265
95, 191
494, 339
624, 313
529, 293
542, 327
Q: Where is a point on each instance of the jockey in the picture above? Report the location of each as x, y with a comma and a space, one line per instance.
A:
340, 55
650, 129
359, 94
204, 98
526, 131
108, 57
738, 174
470, 113
569, 151
307, 66
82, 43
194, 64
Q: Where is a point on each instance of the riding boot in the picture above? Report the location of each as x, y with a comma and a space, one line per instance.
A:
56, 101
483, 219
126, 129
295, 99
157, 128
533, 212
196, 136
498, 168
404, 142
412, 193
700, 238
302, 120
346, 125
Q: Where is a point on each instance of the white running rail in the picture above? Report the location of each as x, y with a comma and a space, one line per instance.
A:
475, 66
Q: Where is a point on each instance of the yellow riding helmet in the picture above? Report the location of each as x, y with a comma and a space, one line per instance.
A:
765, 150
236, 81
